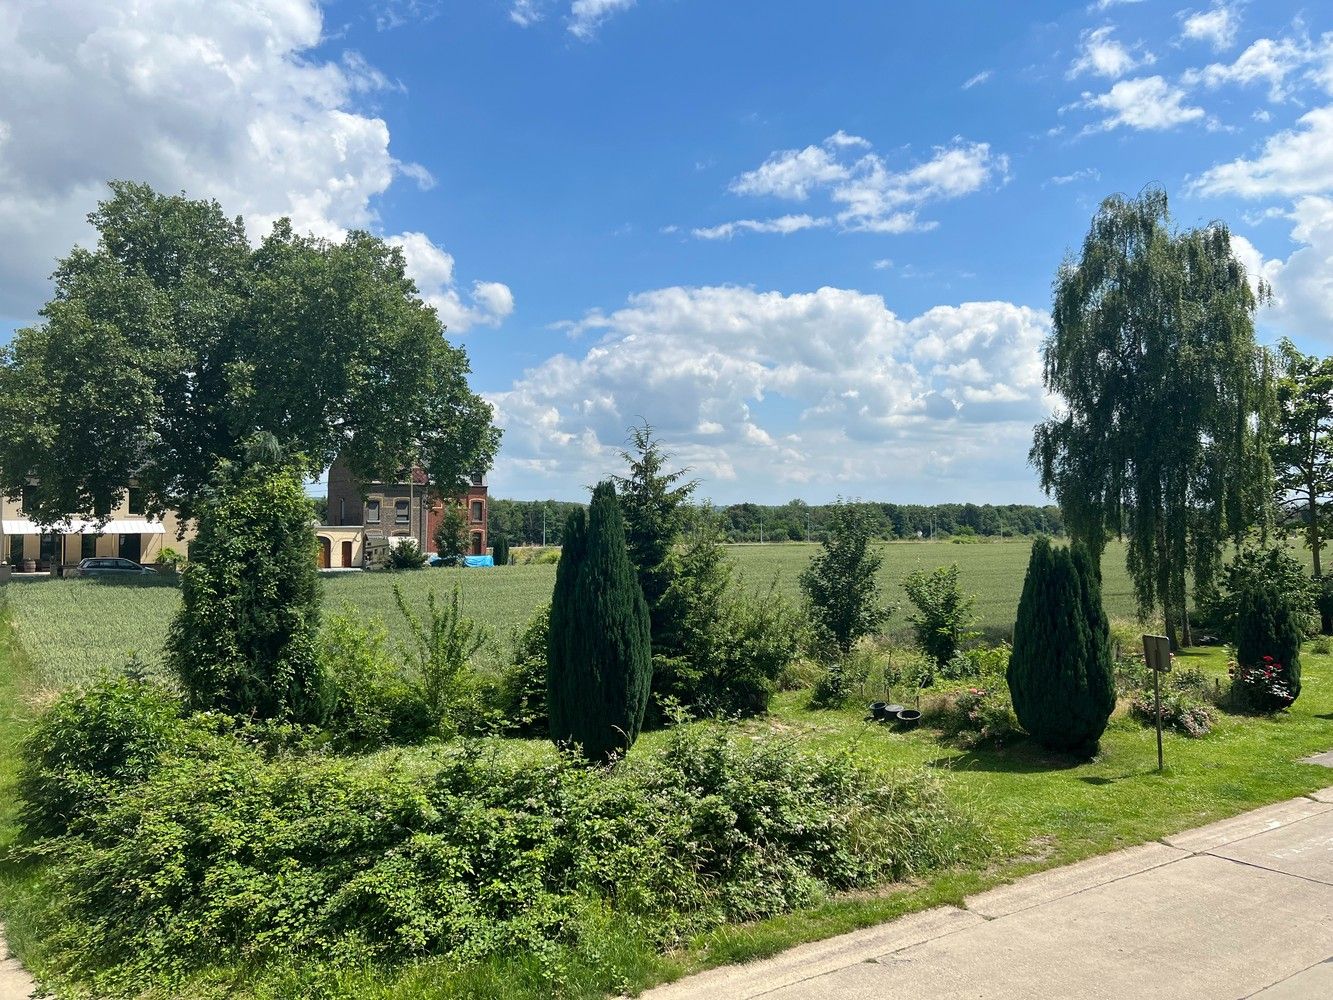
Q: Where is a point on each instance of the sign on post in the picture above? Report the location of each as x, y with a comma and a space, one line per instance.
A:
1157, 658
1157, 653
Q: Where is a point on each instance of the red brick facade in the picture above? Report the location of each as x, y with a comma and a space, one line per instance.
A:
396, 510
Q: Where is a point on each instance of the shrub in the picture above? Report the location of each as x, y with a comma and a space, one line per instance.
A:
723, 648
523, 686
500, 550
833, 689
451, 534
1253, 569
1180, 710
373, 703
975, 716
89, 744
1262, 688
406, 555
1060, 673
440, 653
232, 857
841, 583
1321, 646
1269, 630
599, 656
943, 612
244, 640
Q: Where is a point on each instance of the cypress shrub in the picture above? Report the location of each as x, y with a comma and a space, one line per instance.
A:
1269, 623
599, 662
500, 550
1060, 673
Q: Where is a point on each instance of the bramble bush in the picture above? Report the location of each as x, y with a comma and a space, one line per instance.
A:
228, 854
976, 715
90, 744
522, 699
373, 702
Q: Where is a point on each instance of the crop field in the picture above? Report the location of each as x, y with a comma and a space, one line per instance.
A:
74, 629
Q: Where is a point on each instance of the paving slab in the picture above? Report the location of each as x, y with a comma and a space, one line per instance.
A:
15, 983
1203, 928
1315, 983
741, 982
1304, 849
1323, 795
1324, 759
1249, 824
1060, 882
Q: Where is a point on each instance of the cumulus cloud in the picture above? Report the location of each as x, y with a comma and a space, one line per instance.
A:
219, 98
432, 268
827, 389
1216, 26
1102, 55
867, 195
1276, 63
1146, 103
1293, 162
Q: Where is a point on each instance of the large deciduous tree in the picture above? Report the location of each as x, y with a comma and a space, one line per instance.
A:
1166, 396
169, 344
1303, 448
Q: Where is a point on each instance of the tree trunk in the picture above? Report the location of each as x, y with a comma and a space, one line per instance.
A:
1164, 589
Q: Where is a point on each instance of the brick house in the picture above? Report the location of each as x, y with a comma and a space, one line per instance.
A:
388, 511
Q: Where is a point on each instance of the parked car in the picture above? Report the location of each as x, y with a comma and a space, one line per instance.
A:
112, 566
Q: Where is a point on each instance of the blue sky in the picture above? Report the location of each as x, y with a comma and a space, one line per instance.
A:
812, 242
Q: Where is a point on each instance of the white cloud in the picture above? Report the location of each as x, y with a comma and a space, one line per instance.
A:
1294, 162
1216, 26
432, 268
219, 98
783, 225
883, 264
1086, 174
1266, 60
979, 78
1302, 285
1148, 103
525, 13
873, 197
827, 388
792, 173
586, 16
1102, 55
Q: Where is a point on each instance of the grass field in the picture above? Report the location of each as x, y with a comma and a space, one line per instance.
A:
1039, 810
73, 629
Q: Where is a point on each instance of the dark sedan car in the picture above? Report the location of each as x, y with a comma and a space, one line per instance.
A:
112, 566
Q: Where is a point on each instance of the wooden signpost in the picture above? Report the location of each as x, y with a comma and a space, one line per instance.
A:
1157, 658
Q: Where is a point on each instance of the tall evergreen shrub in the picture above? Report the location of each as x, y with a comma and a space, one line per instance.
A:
1270, 622
245, 638
599, 657
1060, 673
500, 550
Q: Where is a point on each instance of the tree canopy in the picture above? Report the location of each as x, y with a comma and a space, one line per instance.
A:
1162, 436
174, 340
1303, 444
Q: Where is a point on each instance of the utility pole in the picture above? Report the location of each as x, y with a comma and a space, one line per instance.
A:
543, 525
807, 527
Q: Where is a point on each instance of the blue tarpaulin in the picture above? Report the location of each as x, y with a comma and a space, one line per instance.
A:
478, 561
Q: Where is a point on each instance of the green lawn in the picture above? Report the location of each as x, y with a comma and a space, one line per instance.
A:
73, 629
1038, 810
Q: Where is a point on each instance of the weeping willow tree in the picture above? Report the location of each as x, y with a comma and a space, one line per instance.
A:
1162, 437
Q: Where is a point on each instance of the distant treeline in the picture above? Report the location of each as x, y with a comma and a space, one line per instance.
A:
521, 521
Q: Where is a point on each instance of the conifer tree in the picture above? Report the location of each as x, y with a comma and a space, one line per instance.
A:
1060, 674
500, 550
1268, 623
599, 663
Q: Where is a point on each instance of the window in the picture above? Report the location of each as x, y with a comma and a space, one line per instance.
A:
478, 510
342, 510
136, 500
16, 549
87, 546
402, 512
478, 479
29, 499
372, 512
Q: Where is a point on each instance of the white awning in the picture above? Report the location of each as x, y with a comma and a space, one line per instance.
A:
78, 526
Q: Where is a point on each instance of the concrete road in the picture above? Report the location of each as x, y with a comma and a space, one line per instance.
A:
1241, 908
15, 983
